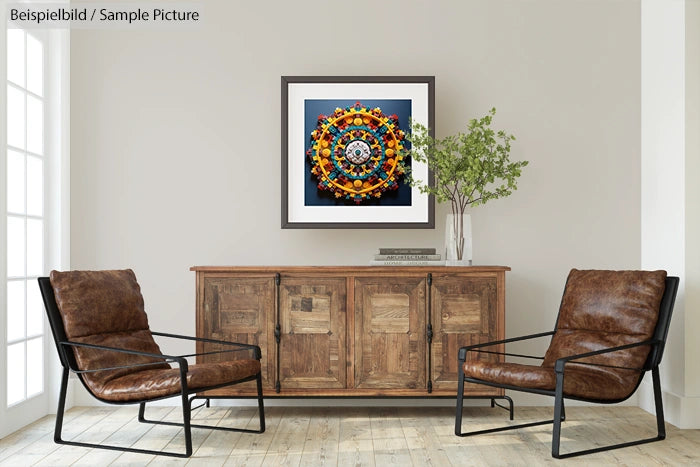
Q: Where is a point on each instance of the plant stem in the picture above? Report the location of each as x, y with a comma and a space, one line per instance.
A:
460, 238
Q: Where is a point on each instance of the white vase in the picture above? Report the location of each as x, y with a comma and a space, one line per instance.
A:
458, 240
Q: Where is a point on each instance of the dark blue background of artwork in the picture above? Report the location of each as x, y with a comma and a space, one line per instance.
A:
315, 107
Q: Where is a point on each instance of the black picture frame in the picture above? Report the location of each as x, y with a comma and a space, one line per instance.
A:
420, 90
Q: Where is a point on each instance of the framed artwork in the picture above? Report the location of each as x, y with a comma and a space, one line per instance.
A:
345, 152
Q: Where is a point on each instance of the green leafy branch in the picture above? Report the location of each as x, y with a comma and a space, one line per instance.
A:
469, 168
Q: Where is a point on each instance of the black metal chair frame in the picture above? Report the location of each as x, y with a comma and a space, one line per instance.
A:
69, 364
657, 343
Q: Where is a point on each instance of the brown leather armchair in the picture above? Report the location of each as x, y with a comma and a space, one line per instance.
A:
611, 329
101, 332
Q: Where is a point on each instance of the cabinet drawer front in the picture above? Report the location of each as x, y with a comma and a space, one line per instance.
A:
390, 349
237, 309
464, 312
313, 332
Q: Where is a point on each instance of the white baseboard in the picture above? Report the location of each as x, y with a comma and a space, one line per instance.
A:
680, 411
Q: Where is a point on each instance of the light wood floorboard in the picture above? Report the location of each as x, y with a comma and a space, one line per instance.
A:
349, 436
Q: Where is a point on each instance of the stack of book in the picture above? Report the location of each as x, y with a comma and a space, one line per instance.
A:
407, 257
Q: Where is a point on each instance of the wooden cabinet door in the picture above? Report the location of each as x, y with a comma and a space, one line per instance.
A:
463, 312
390, 327
313, 333
237, 309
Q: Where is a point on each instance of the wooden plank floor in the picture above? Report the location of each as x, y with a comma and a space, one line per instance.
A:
352, 436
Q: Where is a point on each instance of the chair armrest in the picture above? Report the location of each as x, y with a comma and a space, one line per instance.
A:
463, 351
255, 348
559, 364
180, 360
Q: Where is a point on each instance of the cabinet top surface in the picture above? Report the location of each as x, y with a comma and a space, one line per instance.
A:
345, 269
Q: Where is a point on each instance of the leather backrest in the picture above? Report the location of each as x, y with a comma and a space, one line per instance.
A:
98, 302
603, 309
104, 308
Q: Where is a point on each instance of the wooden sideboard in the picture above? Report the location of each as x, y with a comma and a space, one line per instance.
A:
352, 330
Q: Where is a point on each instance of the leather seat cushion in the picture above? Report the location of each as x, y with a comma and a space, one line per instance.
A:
575, 341
584, 381
148, 384
92, 359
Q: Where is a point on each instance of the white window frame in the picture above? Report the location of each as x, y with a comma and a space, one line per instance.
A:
56, 214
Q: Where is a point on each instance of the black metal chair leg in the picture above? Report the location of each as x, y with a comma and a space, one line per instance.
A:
208, 427
61, 407
558, 409
458, 417
460, 408
195, 425
186, 417
460, 401
59, 426
563, 411
659, 423
510, 406
261, 405
659, 403
261, 412
142, 411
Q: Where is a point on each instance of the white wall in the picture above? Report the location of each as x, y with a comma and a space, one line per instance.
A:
663, 165
670, 196
175, 138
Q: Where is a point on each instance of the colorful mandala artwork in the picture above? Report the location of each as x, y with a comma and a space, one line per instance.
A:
356, 153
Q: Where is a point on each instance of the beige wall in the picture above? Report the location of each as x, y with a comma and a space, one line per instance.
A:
175, 137
691, 413
692, 212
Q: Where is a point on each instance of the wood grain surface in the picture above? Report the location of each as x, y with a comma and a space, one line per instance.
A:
353, 330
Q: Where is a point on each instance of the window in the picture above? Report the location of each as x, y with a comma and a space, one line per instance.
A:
25, 243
